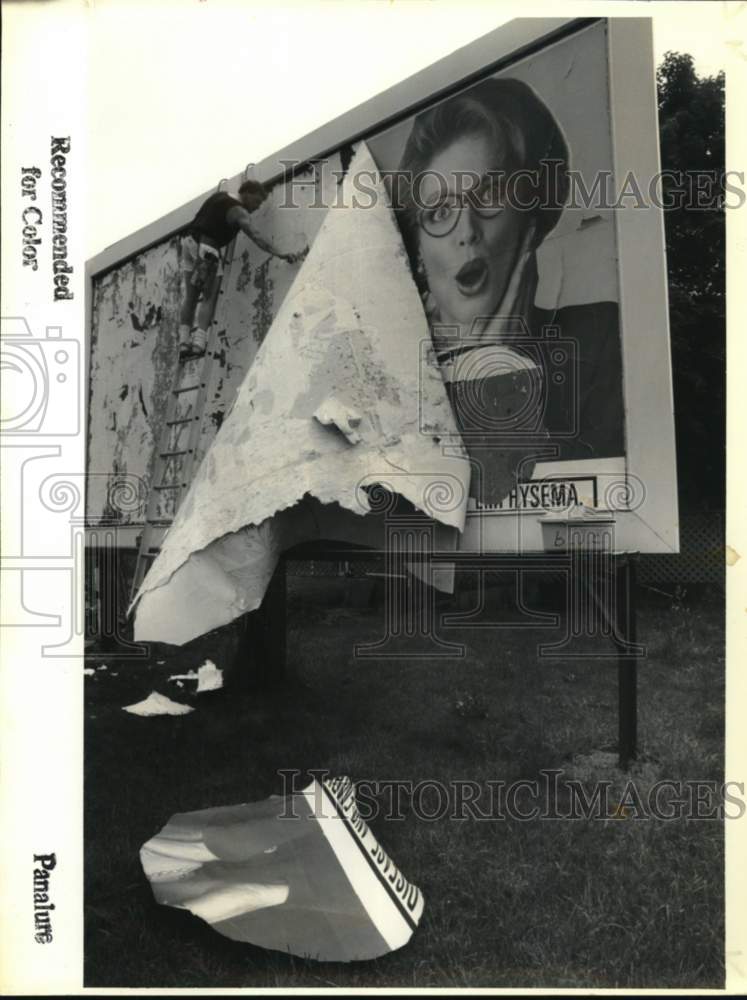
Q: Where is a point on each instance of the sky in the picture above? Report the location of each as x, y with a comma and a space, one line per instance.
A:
185, 92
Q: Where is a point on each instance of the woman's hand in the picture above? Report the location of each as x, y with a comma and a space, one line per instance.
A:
520, 283
512, 314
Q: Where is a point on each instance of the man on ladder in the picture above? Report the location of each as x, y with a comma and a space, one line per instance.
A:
215, 225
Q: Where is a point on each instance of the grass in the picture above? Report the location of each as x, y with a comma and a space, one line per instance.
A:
546, 903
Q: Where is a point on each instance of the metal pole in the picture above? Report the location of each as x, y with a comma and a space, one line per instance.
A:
627, 660
273, 626
259, 661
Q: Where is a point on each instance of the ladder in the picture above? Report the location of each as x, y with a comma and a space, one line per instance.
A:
178, 442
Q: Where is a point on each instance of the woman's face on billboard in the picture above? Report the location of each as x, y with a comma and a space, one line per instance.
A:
468, 268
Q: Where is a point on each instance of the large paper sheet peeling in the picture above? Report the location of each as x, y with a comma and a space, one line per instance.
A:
301, 874
345, 391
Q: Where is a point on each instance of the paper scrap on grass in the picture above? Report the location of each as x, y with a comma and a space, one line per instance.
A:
302, 874
158, 704
208, 677
344, 391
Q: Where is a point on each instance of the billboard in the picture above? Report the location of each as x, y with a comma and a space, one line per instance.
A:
484, 221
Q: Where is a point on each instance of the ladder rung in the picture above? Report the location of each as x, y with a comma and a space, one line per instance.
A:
156, 527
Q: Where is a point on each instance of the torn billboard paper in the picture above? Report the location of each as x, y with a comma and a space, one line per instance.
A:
157, 704
301, 874
344, 393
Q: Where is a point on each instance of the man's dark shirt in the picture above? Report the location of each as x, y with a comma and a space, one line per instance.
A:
211, 219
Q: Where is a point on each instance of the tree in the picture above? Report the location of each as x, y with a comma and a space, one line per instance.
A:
691, 124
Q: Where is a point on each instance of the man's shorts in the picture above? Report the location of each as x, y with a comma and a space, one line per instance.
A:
199, 260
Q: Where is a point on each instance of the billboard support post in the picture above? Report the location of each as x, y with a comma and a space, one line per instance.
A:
614, 593
627, 661
260, 659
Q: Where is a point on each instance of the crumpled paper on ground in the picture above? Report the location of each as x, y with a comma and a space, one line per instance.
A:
208, 677
301, 874
158, 704
344, 392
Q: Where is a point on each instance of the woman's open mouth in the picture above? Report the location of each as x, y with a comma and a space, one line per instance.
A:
471, 277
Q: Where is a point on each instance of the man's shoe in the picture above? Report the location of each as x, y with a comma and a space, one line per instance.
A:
188, 352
